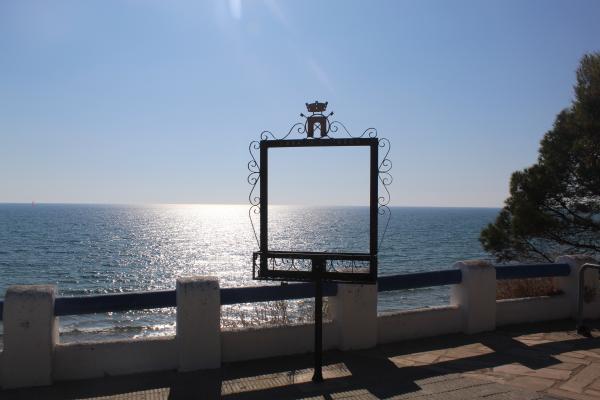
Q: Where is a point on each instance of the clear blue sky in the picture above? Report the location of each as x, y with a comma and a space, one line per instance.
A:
156, 101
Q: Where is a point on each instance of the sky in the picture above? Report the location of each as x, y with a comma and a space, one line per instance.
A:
157, 101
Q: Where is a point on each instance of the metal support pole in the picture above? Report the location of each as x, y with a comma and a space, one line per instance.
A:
318, 268
582, 329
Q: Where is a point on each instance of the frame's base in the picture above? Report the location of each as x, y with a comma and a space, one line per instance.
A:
317, 377
299, 266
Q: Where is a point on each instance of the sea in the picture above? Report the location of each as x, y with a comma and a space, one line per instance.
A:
87, 249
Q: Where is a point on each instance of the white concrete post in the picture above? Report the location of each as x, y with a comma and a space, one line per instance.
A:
476, 295
570, 285
354, 312
198, 323
30, 335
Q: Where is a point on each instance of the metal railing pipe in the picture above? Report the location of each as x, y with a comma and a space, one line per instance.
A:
168, 298
582, 329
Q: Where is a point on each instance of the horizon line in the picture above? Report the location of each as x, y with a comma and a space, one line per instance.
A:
232, 204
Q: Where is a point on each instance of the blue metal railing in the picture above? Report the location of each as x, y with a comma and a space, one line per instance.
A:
418, 280
114, 302
168, 298
522, 271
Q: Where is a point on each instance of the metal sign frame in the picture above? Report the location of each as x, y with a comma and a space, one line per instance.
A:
317, 267
338, 267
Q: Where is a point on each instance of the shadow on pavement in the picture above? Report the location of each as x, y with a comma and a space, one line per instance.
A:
370, 372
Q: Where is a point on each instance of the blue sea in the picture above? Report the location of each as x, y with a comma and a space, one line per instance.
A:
98, 249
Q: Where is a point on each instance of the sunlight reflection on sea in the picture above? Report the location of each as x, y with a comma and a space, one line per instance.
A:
95, 249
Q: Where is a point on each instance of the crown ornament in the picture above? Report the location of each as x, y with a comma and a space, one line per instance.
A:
317, 121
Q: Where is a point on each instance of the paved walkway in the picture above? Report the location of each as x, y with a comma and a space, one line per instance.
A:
537, 361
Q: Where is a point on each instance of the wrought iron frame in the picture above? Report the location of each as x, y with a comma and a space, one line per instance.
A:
350, 266
318, 267
264, 261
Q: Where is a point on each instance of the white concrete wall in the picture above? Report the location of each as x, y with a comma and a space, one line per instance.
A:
354, 311
33, 355
422, 322
198, 323
30, 334
532, 309
255, 343
98, 359
476, 296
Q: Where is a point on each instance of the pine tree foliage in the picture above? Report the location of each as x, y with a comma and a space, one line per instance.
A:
554, 205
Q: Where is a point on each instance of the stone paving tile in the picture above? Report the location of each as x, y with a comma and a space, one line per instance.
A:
566, 366
593, 392
533, 342
491, 389
574, 354
488, 376
269, 381
423, 358
532, 383
548, 373
452, 385
564, 394
516, 396
154, 394
353, 394
590, 353
485, 391
583, 378
595, 385
461, 352
568, 359
437, 378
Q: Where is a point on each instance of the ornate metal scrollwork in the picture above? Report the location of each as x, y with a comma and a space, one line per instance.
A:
304, 263
290, 264
318, 120
337, 125
253, 178
299, 127
351, 266
386, 179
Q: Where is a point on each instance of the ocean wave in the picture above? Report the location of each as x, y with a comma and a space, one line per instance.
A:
130, 329
99, 330
102, 334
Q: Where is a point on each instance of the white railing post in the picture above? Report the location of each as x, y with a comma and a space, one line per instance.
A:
570, 285
198, 323
476, 295
30, 335
354, 311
